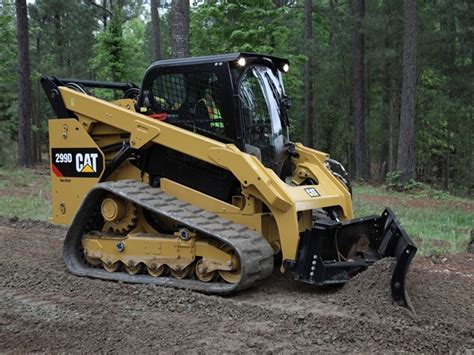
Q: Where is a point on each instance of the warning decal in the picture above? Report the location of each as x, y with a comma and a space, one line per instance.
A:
77, 162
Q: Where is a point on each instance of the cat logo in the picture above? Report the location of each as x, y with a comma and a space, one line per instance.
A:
77, 162
311, 191
86, 163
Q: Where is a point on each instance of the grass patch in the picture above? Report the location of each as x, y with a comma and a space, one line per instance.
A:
24, 193
438, 224
33, 207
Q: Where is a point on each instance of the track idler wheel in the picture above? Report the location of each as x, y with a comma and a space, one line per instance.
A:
232, 276
202, 274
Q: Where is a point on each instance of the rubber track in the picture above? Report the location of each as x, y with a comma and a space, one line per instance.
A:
256, 255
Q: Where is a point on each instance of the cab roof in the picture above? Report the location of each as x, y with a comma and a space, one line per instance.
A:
229, 57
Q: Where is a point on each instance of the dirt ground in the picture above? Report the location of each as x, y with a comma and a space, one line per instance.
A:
45, 309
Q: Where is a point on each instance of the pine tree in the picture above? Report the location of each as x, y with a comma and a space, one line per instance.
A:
180, 28
358, 94
155, 30
406, 141
308, 76
25, 103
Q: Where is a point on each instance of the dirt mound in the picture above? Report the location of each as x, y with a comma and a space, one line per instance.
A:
442, 300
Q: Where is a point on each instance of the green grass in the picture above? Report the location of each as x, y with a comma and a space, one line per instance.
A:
33, 207
23, 193
438, 222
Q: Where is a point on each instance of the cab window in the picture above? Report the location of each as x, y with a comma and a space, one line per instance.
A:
191, 100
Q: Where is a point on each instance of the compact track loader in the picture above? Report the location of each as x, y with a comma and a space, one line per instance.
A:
191, 181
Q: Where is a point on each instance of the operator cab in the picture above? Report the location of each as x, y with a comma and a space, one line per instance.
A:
234, 98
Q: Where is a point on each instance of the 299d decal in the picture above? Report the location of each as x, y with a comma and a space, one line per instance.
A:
77, 162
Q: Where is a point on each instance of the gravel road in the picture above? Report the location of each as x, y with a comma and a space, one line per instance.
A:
45, 309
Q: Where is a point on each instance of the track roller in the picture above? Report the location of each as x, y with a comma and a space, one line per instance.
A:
182, 273
156, 271
202, 274
110, 266
134, 269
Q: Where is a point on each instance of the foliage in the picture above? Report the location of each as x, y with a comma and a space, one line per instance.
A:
392, 181
252, 26
109, 59
8, 86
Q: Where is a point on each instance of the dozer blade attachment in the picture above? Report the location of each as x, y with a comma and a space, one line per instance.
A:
333, 252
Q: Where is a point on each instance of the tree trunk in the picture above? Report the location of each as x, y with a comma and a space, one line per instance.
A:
37, 114
180, 28
448, 54
358, 95
155, 30
406, 141
25, 151
394, 119
308, 136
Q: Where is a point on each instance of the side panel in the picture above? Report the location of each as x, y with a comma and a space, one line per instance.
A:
77, 164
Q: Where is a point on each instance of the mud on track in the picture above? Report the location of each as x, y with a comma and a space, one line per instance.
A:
43, 308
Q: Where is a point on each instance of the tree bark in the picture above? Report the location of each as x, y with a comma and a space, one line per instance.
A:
358, 94
155, 30
394, 119
37, 114
25, 151
308, 136
406, 141
180, 28
448, 53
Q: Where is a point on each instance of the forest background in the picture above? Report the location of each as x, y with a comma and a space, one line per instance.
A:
384, 86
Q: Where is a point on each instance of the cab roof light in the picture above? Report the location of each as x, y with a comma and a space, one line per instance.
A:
241, 62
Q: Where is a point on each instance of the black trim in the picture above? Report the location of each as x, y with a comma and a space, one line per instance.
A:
162, 162
50, 88
97, 84
121, 156
220, 58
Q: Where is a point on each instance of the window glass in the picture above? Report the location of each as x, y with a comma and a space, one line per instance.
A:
263, 129
191, 100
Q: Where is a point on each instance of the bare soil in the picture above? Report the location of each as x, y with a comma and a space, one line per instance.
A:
45, 309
